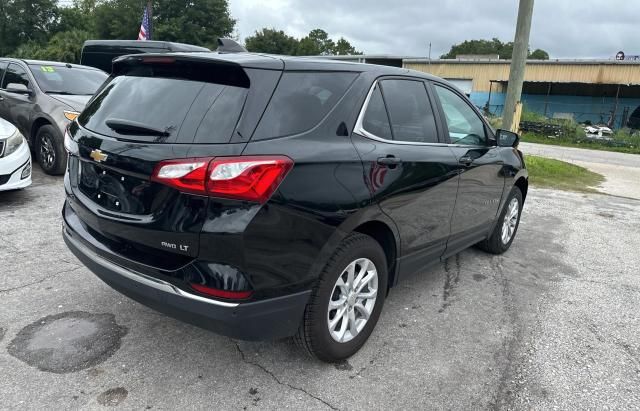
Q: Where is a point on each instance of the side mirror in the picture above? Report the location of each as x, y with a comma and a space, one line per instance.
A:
507, 138
18, 88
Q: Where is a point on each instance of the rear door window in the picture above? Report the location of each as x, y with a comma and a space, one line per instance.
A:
301, 101
410, 111
184, 111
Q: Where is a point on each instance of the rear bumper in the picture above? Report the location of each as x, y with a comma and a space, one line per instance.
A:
261, 320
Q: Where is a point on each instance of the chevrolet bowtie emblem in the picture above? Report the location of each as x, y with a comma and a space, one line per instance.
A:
98, 156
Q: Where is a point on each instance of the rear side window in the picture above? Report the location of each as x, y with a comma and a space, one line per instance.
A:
174, 110
376, 120
409, 111
301, 101
16, 75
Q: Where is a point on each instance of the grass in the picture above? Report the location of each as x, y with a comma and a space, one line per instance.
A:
581, 143
548, 173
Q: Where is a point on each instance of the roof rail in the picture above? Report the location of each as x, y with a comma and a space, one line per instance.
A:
229, 46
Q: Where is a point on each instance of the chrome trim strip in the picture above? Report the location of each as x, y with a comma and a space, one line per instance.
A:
359, 129
143, 278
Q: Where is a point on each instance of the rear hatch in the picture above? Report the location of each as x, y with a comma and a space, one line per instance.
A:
158, 108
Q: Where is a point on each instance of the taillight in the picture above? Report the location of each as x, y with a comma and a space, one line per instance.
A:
215, 292
187, 174
250, 178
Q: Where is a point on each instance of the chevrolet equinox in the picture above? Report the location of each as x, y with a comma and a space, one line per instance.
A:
264, 196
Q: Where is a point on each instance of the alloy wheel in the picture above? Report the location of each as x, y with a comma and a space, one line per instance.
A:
47, 152
352, 300
510, 221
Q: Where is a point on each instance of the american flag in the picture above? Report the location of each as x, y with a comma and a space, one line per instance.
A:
145, 27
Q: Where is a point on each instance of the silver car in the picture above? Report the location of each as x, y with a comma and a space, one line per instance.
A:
41, 98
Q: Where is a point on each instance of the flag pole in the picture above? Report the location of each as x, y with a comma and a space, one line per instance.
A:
150, 11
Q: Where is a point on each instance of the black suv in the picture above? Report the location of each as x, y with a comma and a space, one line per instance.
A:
265, 197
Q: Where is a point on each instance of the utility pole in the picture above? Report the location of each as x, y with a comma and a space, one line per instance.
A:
518, 62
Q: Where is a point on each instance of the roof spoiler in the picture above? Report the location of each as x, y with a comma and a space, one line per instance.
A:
229, 46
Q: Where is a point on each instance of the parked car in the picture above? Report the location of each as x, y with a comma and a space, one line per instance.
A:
100, 53
41, 98
15, 158
264, 197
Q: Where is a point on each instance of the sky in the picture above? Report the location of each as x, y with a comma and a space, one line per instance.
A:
564, 28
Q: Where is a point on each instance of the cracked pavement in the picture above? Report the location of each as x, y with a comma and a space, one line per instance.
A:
553, 323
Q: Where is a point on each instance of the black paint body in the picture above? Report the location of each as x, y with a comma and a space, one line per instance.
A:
423, 209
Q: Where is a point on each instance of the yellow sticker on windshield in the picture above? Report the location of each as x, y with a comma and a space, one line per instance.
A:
47, 69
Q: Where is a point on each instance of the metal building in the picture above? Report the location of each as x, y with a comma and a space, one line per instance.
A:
597, 91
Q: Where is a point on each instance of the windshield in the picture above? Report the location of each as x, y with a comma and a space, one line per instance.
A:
67, 80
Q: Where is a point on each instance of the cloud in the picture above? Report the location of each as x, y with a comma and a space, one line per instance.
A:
566, 29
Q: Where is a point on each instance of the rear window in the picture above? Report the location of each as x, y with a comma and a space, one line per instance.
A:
301, 101
162, 109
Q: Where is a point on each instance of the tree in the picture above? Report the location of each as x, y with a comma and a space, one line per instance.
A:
271, 41
316, 43
43, 29
343, 48
33, 20
539, 54
199, 22
493, 46
23, 21
118, 19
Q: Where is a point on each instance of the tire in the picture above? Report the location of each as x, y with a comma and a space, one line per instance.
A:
50, 150
495, 244
314, 334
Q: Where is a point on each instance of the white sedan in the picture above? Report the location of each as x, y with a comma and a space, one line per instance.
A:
15, 158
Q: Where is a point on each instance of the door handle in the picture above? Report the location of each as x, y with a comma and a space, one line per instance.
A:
389, 161
466, 160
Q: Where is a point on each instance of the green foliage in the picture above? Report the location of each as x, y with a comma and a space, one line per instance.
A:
199, 22
493, 46
344, 48
43, 29
23, 21
539, 54
272, 41
118, 19
317, 42
64, 46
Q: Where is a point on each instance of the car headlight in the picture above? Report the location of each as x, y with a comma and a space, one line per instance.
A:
71, 115
13, 143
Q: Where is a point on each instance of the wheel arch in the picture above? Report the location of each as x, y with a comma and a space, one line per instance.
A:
523, 184
37, 124
372, 222
382, 233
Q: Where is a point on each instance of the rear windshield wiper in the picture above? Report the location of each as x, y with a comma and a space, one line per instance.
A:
128, 127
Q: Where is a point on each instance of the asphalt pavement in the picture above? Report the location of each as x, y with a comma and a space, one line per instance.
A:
553, 323
621, 170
